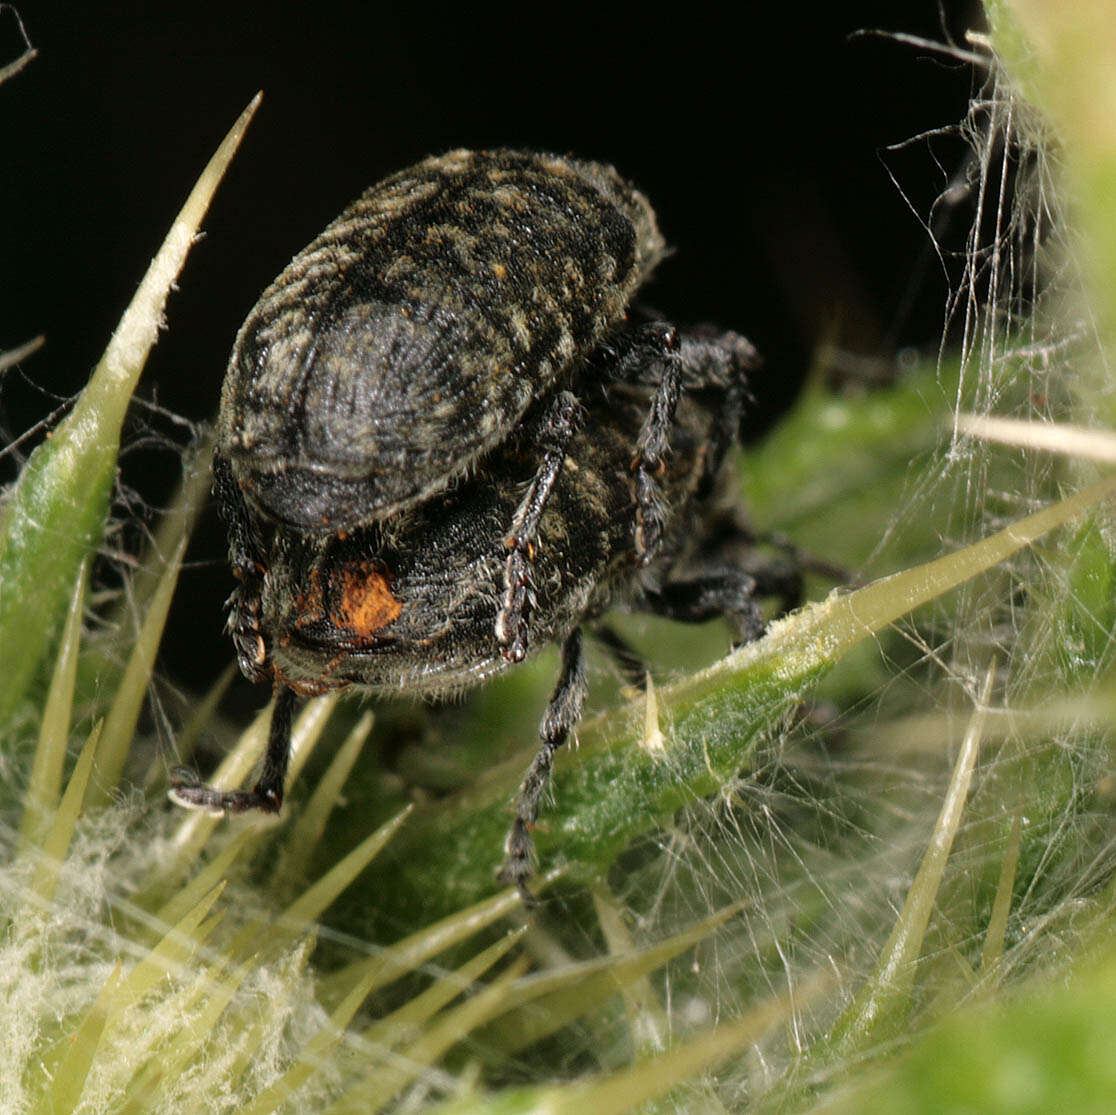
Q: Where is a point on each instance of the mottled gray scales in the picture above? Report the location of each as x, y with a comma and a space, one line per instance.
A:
524, 261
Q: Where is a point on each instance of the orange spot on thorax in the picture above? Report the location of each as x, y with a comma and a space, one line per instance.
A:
365, 603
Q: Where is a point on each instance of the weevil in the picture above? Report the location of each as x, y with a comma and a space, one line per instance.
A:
447, 440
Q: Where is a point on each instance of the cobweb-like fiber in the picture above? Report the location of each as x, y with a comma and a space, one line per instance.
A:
822, 837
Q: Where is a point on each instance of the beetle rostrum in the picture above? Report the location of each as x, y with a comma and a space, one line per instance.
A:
448, 438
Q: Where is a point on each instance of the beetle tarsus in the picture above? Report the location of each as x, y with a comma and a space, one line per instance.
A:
196, 795
267, 794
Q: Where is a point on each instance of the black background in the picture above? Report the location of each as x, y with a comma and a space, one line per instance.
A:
761, 142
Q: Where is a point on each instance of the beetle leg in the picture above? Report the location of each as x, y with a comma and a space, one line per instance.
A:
718, 361
562, 713
780, 577
246, 558
789, 569
708, 594
730, 544
655, 354
657, 343
511, 620
267, 794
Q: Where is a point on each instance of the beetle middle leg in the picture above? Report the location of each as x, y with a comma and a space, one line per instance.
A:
557, 428
267, 794
709, 594
728, 579
730, 543
562, 713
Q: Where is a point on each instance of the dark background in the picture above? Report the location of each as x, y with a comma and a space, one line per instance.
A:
761, 143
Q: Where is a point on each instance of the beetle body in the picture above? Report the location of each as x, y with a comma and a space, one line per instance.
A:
445, 442
411, 336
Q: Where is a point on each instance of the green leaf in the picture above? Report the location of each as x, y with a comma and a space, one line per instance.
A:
41, 798
56, 512
610, 790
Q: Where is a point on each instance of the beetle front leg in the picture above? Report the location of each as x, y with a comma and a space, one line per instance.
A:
267, 794
562, 713
656, 345
511, 620
657, 355
246, 556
